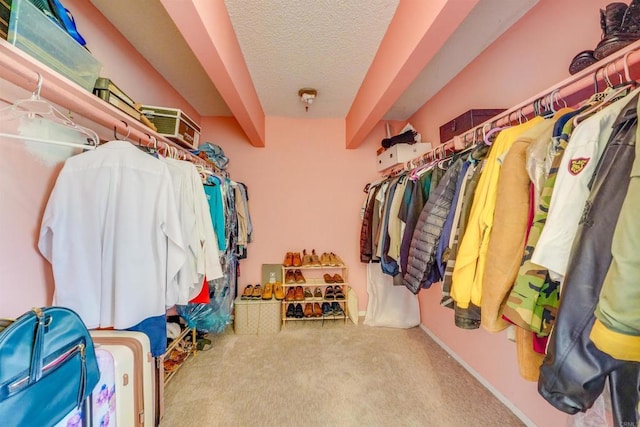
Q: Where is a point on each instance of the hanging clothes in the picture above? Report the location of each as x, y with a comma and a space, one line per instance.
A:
112, 234
533, 295
574, 371
471, 258
507, 239
198, 233
422, 250
572, 189
216, 209
616, 330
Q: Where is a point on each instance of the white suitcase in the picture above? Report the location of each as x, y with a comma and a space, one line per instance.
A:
141, 380
112, 401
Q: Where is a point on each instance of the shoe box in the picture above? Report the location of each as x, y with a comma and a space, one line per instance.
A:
401, 153
257, 317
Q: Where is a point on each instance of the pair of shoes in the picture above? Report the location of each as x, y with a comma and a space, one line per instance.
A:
268, 291
332, 309
312, 310
307, 294
336, 278
620, 26
278, 291
294, 276
289, 277
329, 259
292, 259
317, 294
291, 310
295, 311
328, 293
337, 292
291, 294
247, 293
298, 293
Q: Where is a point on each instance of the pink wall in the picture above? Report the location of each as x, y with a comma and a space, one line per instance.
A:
531, 56
305, 190
527, 59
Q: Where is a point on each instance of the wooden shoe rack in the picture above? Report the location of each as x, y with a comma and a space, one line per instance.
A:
314, 278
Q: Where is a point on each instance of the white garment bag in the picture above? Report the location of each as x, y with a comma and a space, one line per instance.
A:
389, 305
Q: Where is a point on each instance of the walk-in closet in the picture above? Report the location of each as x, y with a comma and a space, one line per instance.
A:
338, 213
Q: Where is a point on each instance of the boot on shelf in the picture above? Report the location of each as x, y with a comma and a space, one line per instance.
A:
620, 24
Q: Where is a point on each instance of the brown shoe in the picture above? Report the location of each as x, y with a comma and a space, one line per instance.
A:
291, 295
289, 277
328, 278
288, 259
298, 294
317, 310
278, 291
306, 259
337, 293
315, 259
325, 260
337, 278
247, 293
298, 277
334, 260
308, 310
296, 262
268, 291
257, 292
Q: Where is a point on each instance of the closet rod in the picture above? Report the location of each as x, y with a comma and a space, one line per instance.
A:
617, 62
22, 70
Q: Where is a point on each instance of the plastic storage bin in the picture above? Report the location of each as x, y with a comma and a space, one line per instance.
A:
32, 32
257, 317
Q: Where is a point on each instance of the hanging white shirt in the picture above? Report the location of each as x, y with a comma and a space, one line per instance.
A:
112, 235
209, 261
203, 257
188, 276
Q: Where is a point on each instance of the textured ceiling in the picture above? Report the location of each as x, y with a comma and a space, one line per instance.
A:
324, 44
287, 44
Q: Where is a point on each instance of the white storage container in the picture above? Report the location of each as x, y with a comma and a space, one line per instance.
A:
401, 153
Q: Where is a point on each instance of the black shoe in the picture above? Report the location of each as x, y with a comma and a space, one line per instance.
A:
326, 309
291, 310
299, 313
337, 310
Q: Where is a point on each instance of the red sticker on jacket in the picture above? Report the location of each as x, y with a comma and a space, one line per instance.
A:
577, 165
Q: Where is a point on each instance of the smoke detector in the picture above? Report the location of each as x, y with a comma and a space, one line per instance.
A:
307, 96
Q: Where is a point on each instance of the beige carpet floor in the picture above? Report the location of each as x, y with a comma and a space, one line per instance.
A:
334, 374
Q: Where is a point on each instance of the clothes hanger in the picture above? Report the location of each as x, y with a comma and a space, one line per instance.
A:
36, 107
608, 96
115, 132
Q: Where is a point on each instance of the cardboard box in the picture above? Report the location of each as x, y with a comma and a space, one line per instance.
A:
257, 317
